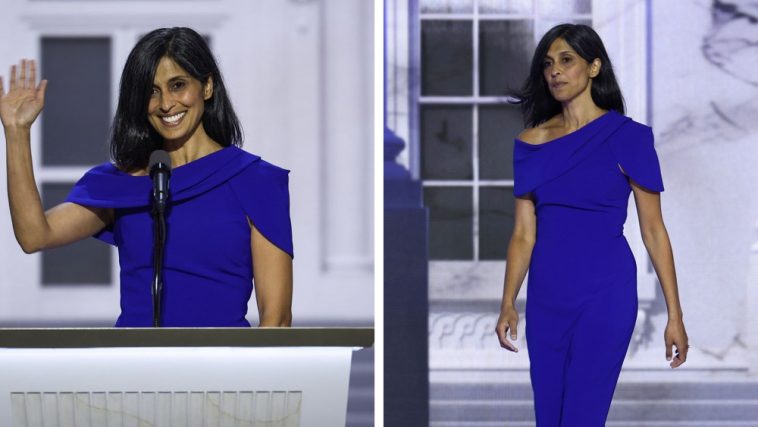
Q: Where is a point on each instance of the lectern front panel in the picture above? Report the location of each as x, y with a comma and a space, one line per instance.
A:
189, 386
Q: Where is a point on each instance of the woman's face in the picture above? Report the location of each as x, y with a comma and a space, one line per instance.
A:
177, 101
567, 74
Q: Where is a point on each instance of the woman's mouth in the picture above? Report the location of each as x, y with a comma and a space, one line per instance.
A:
172, 121
558, 85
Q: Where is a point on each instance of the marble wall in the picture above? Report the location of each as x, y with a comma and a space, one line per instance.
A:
704, 96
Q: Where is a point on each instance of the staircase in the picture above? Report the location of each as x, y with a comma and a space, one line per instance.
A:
635, 404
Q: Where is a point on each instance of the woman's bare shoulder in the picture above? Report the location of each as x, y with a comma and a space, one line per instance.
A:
539, 134
534, 136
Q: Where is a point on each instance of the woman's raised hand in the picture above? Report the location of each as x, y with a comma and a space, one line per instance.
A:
21, 105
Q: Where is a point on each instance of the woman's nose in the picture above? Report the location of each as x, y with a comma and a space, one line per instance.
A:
167, 103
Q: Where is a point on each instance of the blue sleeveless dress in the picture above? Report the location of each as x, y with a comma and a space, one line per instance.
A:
208, 271
581, 303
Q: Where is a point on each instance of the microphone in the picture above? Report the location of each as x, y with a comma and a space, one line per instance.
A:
160, 172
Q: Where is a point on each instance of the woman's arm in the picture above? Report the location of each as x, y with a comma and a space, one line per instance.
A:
35, 229
658, 246
517, 264
272, 270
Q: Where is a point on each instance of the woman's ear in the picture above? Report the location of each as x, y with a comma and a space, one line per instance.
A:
595, 67
208, 89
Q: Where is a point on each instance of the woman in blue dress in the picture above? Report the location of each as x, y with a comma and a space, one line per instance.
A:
574, 168
227, 217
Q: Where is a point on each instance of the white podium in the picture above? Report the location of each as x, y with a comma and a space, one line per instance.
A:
220, 377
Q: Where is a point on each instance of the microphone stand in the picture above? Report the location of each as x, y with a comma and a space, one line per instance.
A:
159, 242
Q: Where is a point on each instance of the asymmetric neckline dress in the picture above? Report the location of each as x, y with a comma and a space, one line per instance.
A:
581, 304
208, 271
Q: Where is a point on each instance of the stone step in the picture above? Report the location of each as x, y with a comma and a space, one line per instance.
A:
608, 424
624, 391
621, 410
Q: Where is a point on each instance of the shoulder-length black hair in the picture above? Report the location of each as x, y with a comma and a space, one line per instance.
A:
132, 137
538, 105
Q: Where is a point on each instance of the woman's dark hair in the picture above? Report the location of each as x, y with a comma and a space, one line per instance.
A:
132, 137
538, 105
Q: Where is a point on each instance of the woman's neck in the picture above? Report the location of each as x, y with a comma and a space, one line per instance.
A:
197, 146
579, 111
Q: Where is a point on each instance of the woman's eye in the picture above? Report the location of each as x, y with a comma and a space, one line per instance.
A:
566, 59
546, 64
154, 92
177, 85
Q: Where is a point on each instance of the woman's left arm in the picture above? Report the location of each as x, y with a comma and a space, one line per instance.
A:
272, 270
658, 246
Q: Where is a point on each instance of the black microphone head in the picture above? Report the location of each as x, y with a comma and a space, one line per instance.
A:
159, 159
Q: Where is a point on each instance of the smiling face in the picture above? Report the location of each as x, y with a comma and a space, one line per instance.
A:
177, 102
566, 73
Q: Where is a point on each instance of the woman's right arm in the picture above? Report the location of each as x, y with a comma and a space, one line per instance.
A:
34, 228
517, 264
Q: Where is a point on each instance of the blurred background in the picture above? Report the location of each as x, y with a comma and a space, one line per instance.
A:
686, 68
300, 75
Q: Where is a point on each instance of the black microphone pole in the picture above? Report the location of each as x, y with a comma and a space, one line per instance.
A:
160, 172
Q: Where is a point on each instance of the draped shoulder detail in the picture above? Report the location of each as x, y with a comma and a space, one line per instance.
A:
105, 186
537, 164
263, 191
634, 150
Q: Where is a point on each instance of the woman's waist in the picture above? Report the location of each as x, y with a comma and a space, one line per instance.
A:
579, 224
588, 259
580, 242
581, 253
197, 281
592, 232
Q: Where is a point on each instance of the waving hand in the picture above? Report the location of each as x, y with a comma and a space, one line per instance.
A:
21, 105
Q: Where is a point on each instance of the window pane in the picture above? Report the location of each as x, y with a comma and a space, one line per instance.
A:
446, 142
446, 58
447, 6
78, 101
506, 6
498, 125
450, 222
563, 7
496, 212
506, 50
84, 262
